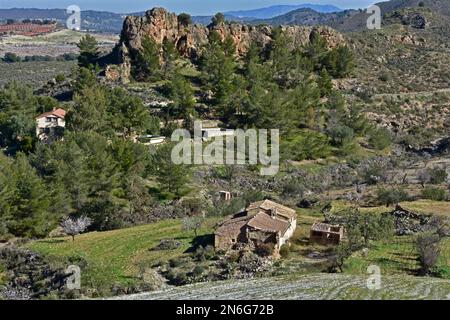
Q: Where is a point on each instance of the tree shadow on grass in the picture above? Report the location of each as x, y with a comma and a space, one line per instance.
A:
54, 241
200, 241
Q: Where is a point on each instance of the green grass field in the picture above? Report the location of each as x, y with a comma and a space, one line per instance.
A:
396, 256
119, 256
116, 256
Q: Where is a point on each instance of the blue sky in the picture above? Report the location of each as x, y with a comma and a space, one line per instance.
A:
196, 7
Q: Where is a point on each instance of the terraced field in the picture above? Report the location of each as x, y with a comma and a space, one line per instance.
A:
307, 287
34, 74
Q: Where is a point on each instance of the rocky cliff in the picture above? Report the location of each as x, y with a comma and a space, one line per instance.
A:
158, 24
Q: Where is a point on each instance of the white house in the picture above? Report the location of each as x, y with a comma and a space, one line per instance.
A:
150, 139
50, 124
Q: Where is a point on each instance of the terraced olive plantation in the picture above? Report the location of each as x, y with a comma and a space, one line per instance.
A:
34, 74
308, 287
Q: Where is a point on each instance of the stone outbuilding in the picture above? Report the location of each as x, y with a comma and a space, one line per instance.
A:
262, 222
324, 233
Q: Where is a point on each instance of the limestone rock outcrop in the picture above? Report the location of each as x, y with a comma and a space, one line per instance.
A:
160, 25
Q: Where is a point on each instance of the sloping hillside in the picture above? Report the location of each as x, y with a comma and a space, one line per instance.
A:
308, 287
354, 20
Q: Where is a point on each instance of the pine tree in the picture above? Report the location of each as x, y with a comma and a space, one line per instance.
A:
24, 200
170, 54
324, 83
89, 53
172, 177
127, 113
183, 101
147, 65
89, 112
218, 67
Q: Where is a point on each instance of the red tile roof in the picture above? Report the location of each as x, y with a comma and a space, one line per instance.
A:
59, 113
266, 223
267, 205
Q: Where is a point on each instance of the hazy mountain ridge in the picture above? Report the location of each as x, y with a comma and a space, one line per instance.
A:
354, 20
99, 21
273, 11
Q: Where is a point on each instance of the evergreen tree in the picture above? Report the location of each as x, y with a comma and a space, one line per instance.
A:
127, 113
24, 200
281, 57
89, 112
324, 83
183, 101
172, 177
147, 64
18, 108
218, 18
89, 53
218, 67
170, 54
184, 19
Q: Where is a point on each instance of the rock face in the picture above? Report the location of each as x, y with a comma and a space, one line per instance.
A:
415, 20
412, 19
160, 25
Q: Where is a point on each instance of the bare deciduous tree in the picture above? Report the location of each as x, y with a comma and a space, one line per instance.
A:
428, 245
74, 226
192, 224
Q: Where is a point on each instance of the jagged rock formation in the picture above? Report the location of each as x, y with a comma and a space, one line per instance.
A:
158, 24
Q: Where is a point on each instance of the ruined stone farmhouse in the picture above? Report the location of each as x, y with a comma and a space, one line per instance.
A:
324, 233
262, 222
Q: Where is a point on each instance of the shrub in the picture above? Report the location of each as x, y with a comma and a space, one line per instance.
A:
233, 257
435, 194
198, 270
293, 187
380, 139
285, 251
437, 175
184, 19
179, 279
218, 19
223, 172
391, 196
384, 77
175, 262
10, 57
167, 244
341, 135
204, 253
60, 78
428, 246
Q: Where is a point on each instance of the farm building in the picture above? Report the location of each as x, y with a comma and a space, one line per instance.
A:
263, 222
50, 125
324, 233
